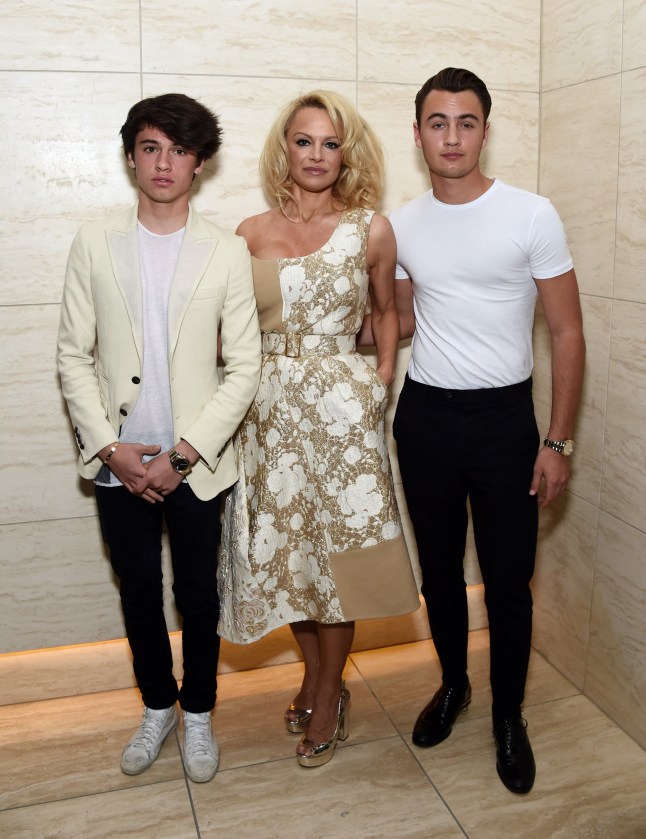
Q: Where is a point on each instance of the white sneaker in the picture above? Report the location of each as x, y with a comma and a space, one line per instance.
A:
201, 752
143, 747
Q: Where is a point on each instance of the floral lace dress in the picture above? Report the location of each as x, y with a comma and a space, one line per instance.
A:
311, 528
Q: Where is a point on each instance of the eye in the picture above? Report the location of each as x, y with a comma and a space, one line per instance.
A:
149, 149
180, 151
467, 125
437, 125
332, 144
301, 141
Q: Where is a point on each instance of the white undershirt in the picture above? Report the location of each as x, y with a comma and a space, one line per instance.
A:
151, 420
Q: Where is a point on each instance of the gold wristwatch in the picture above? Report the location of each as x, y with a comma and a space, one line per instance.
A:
180, 463
564, 447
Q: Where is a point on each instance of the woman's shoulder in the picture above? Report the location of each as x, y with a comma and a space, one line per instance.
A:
259, 221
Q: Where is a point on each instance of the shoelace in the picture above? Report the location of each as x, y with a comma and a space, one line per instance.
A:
149, 730
199, 740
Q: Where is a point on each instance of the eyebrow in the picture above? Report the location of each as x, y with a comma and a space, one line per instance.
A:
445, 116
311, 136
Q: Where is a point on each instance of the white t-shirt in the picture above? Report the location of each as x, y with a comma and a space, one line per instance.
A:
473, 268
151, 420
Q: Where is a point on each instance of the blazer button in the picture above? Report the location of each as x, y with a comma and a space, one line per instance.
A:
123, 412
135, 380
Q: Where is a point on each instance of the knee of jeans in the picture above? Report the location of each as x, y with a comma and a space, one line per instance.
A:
199, 604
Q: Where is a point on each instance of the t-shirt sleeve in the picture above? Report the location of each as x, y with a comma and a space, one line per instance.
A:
549, 254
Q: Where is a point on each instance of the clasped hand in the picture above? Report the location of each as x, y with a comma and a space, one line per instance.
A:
152, 480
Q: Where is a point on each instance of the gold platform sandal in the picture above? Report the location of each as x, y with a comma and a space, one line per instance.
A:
297, 719
321, 753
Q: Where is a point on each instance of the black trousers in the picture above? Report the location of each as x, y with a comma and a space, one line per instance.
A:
132, 530
478, 445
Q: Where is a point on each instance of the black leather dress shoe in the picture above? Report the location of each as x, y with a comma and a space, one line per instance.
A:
515, 759
435, 722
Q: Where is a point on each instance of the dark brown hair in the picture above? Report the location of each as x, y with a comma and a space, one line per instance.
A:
182, 119
455, 81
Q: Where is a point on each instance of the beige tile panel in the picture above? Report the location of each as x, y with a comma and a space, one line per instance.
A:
634, 53
580, 42
623, 490
39, 480
71, 747
562, 584
284, 39
89, 36
59, 589
511, 154
404, 678
583, 787
408, 42
228, 190
370, 789
57, 585
61, 134
586, 464
630, 266
153, 811
578, 172
616, 663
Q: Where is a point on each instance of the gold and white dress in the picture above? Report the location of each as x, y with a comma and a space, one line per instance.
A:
311, 528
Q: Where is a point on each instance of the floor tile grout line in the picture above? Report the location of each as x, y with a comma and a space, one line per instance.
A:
408, 746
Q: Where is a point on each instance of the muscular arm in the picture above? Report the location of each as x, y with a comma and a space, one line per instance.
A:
404, 306
381, 256
562, 309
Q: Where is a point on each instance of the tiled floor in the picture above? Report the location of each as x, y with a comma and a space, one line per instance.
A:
60, 777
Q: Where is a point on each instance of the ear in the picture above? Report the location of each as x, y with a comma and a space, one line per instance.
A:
485, 136
200, 167
418, 142
131, 162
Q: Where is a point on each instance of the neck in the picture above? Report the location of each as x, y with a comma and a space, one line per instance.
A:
460, 190
162, 218
303, 207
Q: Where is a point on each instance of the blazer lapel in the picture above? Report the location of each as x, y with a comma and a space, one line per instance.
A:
195, 253
124, 253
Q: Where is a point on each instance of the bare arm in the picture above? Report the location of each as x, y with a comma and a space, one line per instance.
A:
562, 308
404, 306
381, 256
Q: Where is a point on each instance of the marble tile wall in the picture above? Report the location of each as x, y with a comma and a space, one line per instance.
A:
590, 588
68, 79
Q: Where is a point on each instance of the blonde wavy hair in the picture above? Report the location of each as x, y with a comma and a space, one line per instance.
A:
360, 181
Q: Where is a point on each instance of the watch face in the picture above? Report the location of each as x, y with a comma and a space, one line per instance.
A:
180, 463
568, 448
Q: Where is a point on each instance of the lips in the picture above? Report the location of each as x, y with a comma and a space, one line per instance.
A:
314, 170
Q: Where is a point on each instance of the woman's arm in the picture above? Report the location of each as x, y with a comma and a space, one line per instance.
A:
384, 320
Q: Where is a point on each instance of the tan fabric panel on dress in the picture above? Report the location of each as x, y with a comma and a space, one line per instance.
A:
269, 300
375, 582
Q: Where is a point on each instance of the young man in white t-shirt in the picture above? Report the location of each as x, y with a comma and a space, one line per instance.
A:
147, 293
473, 254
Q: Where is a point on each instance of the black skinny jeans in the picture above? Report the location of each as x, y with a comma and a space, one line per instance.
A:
480, 445
132, 530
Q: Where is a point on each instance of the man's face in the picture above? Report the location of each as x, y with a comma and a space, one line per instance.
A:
164, 170
451, 133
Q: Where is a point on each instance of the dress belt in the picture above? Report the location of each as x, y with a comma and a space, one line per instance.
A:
295, 344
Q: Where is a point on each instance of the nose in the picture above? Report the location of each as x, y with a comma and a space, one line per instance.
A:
452, 138
316, 151
163, 161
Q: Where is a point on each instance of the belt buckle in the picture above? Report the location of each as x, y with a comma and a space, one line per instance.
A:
293, 344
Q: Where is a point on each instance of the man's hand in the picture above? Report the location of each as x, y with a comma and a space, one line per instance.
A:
125, 463
554, 469
159, 478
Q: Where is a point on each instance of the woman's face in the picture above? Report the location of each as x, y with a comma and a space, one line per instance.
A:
314, 150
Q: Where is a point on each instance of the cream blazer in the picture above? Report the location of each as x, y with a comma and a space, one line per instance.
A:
100, 341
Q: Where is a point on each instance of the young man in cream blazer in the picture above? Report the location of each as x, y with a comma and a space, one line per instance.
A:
146, 293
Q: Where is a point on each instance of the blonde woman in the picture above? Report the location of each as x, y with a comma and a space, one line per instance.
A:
312, 535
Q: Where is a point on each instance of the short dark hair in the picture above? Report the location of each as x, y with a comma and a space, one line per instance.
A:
455, 81
182, 119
